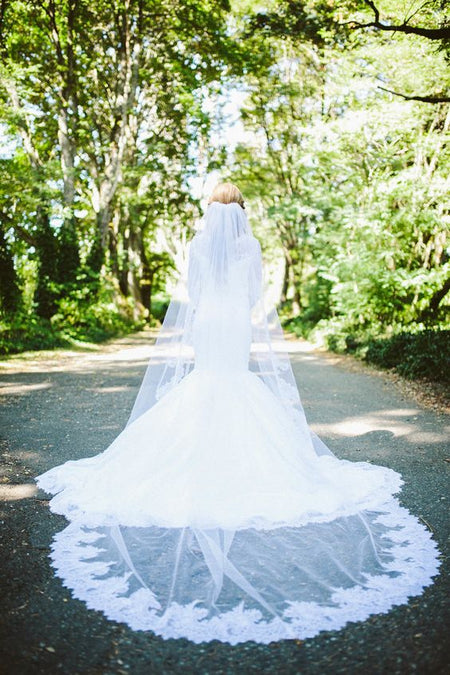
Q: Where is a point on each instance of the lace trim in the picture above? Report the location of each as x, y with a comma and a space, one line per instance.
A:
414, 559
66, 501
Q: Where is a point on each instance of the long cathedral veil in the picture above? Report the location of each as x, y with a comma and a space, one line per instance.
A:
177, 527
214, 255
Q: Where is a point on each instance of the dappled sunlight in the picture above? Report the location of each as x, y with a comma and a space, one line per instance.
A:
430, 436
40, 360
299, 349
384, 420
135, 348
404, 412
12, 493
296, 345
109, 390
133, 351
307, 358
80, 366
356, 426
24, 388
298, 357
128, 354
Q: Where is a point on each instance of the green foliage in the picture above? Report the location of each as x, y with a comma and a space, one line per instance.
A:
416, 352
424, 354
351, 184
322, 21
79, 317
23, 332
83, 314
102, 111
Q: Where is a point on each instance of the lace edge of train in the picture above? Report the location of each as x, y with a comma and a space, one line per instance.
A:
415, 557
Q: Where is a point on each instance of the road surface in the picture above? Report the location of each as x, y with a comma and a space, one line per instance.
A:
65, 405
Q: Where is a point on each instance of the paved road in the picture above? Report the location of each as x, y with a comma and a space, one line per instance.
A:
65, 405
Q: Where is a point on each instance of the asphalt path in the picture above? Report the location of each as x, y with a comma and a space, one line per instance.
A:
69, 404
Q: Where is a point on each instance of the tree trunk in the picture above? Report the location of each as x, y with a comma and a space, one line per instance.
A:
9, 287
291, 291
146, 282
67, 118
435, 301
285, 287
135, 265
96, 256
47, 249
107, 178
296, 293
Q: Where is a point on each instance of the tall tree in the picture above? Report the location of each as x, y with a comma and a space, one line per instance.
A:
283, 101
94, 89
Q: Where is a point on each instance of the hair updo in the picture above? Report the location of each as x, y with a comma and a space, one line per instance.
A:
227, 193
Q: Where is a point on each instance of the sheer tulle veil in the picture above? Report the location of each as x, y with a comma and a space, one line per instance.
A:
217, 513
214, 254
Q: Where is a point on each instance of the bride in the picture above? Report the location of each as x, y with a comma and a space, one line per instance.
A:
217, 513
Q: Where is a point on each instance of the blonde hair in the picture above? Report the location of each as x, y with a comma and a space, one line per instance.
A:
227, 193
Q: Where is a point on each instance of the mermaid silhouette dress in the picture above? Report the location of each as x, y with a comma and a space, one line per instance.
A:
212, 515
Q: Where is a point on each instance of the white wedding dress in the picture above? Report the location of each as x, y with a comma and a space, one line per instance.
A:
216, 513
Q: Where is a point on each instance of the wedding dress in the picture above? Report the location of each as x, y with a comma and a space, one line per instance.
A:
217, 513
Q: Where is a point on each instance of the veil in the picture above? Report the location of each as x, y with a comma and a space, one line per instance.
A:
219, 253
212, 529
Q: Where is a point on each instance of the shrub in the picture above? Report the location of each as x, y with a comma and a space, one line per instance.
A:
414, 353
82, 316
422, 354
24, 332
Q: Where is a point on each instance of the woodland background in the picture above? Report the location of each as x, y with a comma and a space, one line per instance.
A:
111, 111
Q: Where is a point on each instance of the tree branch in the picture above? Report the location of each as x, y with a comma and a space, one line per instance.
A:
442, 33
424, 99
50, 11
435, 301
23, 126
23, 234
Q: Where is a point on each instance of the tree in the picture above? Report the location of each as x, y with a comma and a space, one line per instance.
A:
9, 287
324, 23
98, 97
283, 100
370, 184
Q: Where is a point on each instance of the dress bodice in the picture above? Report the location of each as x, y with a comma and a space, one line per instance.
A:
222, 324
